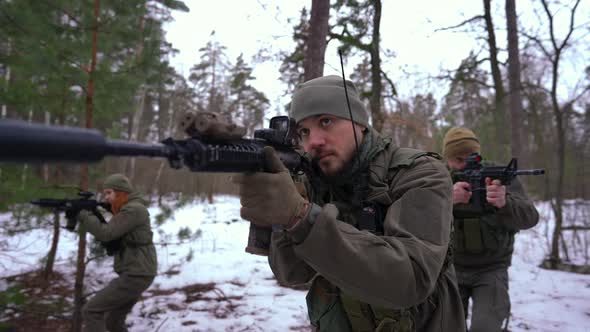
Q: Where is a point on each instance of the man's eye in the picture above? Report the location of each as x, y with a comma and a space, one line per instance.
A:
303, 132
325, 122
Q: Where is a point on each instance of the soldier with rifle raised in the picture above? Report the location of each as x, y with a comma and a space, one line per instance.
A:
135, 261
127, 237
490, 207
372, 231
72, 208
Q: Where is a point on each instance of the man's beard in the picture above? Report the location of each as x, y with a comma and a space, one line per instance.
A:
343, 172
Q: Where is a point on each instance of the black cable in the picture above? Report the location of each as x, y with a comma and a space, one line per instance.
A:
356, 143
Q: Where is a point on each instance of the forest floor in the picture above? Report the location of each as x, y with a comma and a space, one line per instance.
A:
206, 282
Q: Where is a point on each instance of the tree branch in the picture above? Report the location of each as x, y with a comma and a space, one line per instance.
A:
539, 44
467, 21
551, 28
527, 84
391, 84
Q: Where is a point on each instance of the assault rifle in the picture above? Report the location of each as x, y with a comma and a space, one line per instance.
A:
72, 207
213, 145
475, 174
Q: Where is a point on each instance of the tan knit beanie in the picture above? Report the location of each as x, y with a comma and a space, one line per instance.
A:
459, 141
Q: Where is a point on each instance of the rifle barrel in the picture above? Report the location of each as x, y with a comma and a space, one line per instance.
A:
127, 148
530, 172
21, 141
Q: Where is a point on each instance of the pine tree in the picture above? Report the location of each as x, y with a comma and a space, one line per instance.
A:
209, 77
247, 103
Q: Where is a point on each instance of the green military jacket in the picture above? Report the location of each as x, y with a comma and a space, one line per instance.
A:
132, 225
487, 242
400, 269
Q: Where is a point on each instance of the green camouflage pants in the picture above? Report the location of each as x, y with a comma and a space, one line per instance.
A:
488, 291
108, 309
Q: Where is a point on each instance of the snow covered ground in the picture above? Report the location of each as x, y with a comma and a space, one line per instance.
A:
207, 282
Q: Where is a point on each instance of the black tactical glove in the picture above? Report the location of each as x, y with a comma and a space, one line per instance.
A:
72, 219
271, 198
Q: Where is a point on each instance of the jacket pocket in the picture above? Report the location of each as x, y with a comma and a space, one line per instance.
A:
468, 237
324, 307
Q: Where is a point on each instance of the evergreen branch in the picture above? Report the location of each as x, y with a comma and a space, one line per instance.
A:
349, 39
448, 76
63, 11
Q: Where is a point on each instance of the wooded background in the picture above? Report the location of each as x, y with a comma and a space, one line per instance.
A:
105, 64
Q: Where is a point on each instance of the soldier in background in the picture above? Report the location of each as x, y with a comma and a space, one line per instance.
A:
484, 245
374, 234
135, 261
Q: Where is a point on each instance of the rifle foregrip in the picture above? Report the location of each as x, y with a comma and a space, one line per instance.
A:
259, 240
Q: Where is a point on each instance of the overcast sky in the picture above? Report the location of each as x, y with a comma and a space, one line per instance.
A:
409, 29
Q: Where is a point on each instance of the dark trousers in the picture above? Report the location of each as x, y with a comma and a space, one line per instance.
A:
108, 309
488, 291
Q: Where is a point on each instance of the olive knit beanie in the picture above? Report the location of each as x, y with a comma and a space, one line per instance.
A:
118, 182
325, 95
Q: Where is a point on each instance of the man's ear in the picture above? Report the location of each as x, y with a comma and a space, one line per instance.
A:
363, 129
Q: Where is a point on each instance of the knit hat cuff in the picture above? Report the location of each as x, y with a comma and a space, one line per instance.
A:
326, 95
461, 147
118, 182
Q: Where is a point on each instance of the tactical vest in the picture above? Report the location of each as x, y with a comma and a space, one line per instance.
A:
478, 235
328, 307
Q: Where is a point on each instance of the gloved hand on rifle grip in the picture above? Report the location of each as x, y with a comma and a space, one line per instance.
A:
71, 217
271, 198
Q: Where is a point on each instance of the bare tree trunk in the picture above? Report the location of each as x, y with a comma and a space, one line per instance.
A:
24, 177
53, 250
212, 105
136, 123
7, 79
170, 130
376, 86
372, 48
313, 62
555, 58
515, 98
3, 109
45, 167
80, 263
135, 129
499, 97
